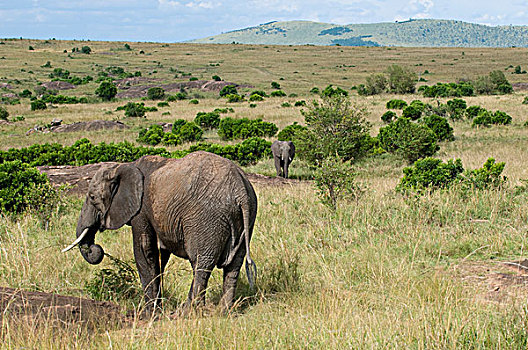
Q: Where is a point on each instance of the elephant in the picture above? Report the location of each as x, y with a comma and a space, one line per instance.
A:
283, 153
201, 208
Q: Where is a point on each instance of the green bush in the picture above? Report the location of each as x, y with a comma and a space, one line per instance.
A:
335, 180
456, 108
412, 113
412, 141
429, 174
259, 92
300, 103
396, 104
86, 50
209, 120
389, 117
190, 132
118, 283
501, 118
418, 105
440, 126
216, 78
334, 127
473, 111
230, 128
25, 93
486, 118
228, 90
290, 132
177, 124
155, 93
233, 98
489, 176
177, 97
256, 97
163, 104
38, 105
448, 90
401, 80
330, 91
22, 187
278, 93
247, 152
133, 109
194, 101
286, 104
151, 136
107, 90
376, 84
314, 90
525, 100
275, 85
4, 114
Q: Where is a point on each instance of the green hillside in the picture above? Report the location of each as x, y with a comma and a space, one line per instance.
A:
412, 33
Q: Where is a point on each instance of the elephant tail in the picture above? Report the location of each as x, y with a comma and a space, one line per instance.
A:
251, 267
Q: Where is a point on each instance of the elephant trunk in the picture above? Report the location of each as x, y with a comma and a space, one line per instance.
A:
286, 160
87, 227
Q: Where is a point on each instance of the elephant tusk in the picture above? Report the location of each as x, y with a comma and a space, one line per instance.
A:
77, 241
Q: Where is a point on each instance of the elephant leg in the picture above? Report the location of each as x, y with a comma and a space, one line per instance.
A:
202, 269
277, 165
231, 273
147, 257
164, 259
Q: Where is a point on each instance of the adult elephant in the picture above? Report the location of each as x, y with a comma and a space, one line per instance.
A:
201, 208
283, 153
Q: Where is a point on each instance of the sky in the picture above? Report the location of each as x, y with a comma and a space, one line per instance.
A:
175, 21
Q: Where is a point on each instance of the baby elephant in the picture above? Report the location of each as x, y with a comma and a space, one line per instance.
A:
283, 153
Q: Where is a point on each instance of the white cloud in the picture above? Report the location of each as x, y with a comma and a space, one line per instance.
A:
202, 4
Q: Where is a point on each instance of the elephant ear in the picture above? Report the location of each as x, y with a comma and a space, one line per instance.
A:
127, 196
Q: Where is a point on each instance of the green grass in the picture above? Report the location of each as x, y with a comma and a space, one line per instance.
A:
385, 271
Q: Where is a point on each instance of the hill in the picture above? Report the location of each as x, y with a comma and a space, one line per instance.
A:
411, 33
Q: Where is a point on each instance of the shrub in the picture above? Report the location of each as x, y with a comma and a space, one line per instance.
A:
330, 91
502, 118
120, 282
177, 97
22, 187
314, 90
412, 141
216, 78
389, 117
107, 90
376, 84
290, 132
440, 126
209, 120
300, 103
448, 90
228, 90
155, 93
133, 109
86, 50
334, 127
190, 132
255, 97
335, 180
419, 105
151, 136
505, 88
489, 176
163, 104
486, 118
412, 113
430, 174
25, 93
233, 98
286, 104
484, 85
525, 100
259, 92
275, 85
4, 114
38, 105
473, 111
401, 80
230, 128
396, 104
194, 101
456, 108
247, 152
176, 126
278, 93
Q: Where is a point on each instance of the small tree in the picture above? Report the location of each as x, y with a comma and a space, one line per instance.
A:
228, 90
107, 90
335, 128
155, 93
86, 50
401, 79
3, 113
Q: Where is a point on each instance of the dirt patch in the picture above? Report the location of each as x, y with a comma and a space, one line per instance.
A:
58, 85
5, 86
496, 282
138, 91
520, 86
93, 125
59, 309
78, 177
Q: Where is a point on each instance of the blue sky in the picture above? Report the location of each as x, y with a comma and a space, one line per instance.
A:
179, 20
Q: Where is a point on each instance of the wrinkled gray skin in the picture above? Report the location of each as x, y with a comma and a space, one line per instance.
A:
283, 153
201, 208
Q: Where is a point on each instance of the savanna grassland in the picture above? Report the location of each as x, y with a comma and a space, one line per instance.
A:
382, 271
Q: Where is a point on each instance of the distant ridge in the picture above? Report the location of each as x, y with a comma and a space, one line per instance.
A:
410, 33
